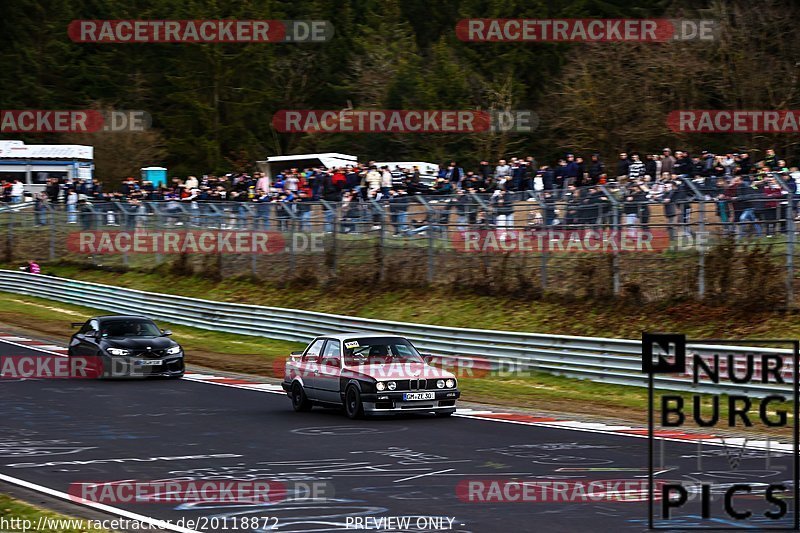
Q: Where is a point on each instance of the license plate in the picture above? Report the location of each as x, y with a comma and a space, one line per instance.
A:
149, 362
419, 396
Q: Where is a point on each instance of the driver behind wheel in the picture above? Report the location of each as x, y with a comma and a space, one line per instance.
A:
379, 354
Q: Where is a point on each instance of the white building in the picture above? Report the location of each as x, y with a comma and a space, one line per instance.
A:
34, 164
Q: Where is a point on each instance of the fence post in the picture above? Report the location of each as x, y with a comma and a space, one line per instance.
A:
52, 219
292, 251
701, 249
11, 254
701, 274
790, 227
431, 216
294, 221
381, 238
790, 253
546, 228
330, 207
616, 227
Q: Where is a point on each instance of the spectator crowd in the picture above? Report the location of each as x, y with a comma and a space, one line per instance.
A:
756, 195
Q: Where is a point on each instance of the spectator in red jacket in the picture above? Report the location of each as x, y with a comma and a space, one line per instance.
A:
772, 196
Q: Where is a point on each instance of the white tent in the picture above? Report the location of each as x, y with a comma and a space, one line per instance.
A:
275, 164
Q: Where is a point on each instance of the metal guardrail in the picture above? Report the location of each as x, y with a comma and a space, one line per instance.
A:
605, 360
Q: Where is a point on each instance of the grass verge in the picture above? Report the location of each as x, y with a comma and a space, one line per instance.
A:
450, 306
23, 516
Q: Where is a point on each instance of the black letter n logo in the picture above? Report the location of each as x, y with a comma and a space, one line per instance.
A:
663, 353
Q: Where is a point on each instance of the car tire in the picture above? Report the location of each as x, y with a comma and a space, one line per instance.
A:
300, 401
352, 403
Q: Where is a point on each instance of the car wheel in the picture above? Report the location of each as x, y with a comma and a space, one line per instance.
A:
300, 401
352, 403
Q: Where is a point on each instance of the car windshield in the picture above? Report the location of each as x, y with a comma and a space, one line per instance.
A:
129, 328
378, 350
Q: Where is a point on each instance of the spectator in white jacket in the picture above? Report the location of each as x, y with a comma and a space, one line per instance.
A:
17, 192
386, 182
373, 179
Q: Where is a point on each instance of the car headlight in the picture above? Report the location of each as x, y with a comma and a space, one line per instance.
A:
450, 383
118, 351
392, 385
440, 384
380, 385
172, 350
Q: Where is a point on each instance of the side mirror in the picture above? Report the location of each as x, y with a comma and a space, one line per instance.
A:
428, 357
92, 334
296, 354
166, 332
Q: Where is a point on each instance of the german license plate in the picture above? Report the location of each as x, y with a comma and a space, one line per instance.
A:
149, 362
410, 396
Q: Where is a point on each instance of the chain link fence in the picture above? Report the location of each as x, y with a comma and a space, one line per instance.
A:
577, 243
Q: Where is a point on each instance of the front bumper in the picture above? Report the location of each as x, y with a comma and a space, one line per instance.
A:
393, 402
132, 367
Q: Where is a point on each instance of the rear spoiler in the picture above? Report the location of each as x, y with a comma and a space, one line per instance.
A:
77, 324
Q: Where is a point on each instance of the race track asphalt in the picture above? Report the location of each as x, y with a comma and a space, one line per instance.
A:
59, 432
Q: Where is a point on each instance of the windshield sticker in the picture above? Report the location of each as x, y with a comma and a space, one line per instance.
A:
351, 344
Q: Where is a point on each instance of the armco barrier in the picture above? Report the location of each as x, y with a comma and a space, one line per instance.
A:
616, 361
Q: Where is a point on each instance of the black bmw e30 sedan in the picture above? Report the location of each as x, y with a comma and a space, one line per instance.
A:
127, 346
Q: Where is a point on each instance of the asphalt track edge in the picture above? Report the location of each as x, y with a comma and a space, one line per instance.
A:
159, 524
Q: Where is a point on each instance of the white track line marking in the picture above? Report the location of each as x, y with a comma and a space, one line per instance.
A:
423, 475
160, 524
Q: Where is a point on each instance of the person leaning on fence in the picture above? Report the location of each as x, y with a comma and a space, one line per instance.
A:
40, 208
629, 206
642, 202
772, 194
351, 211
32, 267
86, 213
503, 205
52, 189
398, 211
71, 202
670, 210
748, 195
